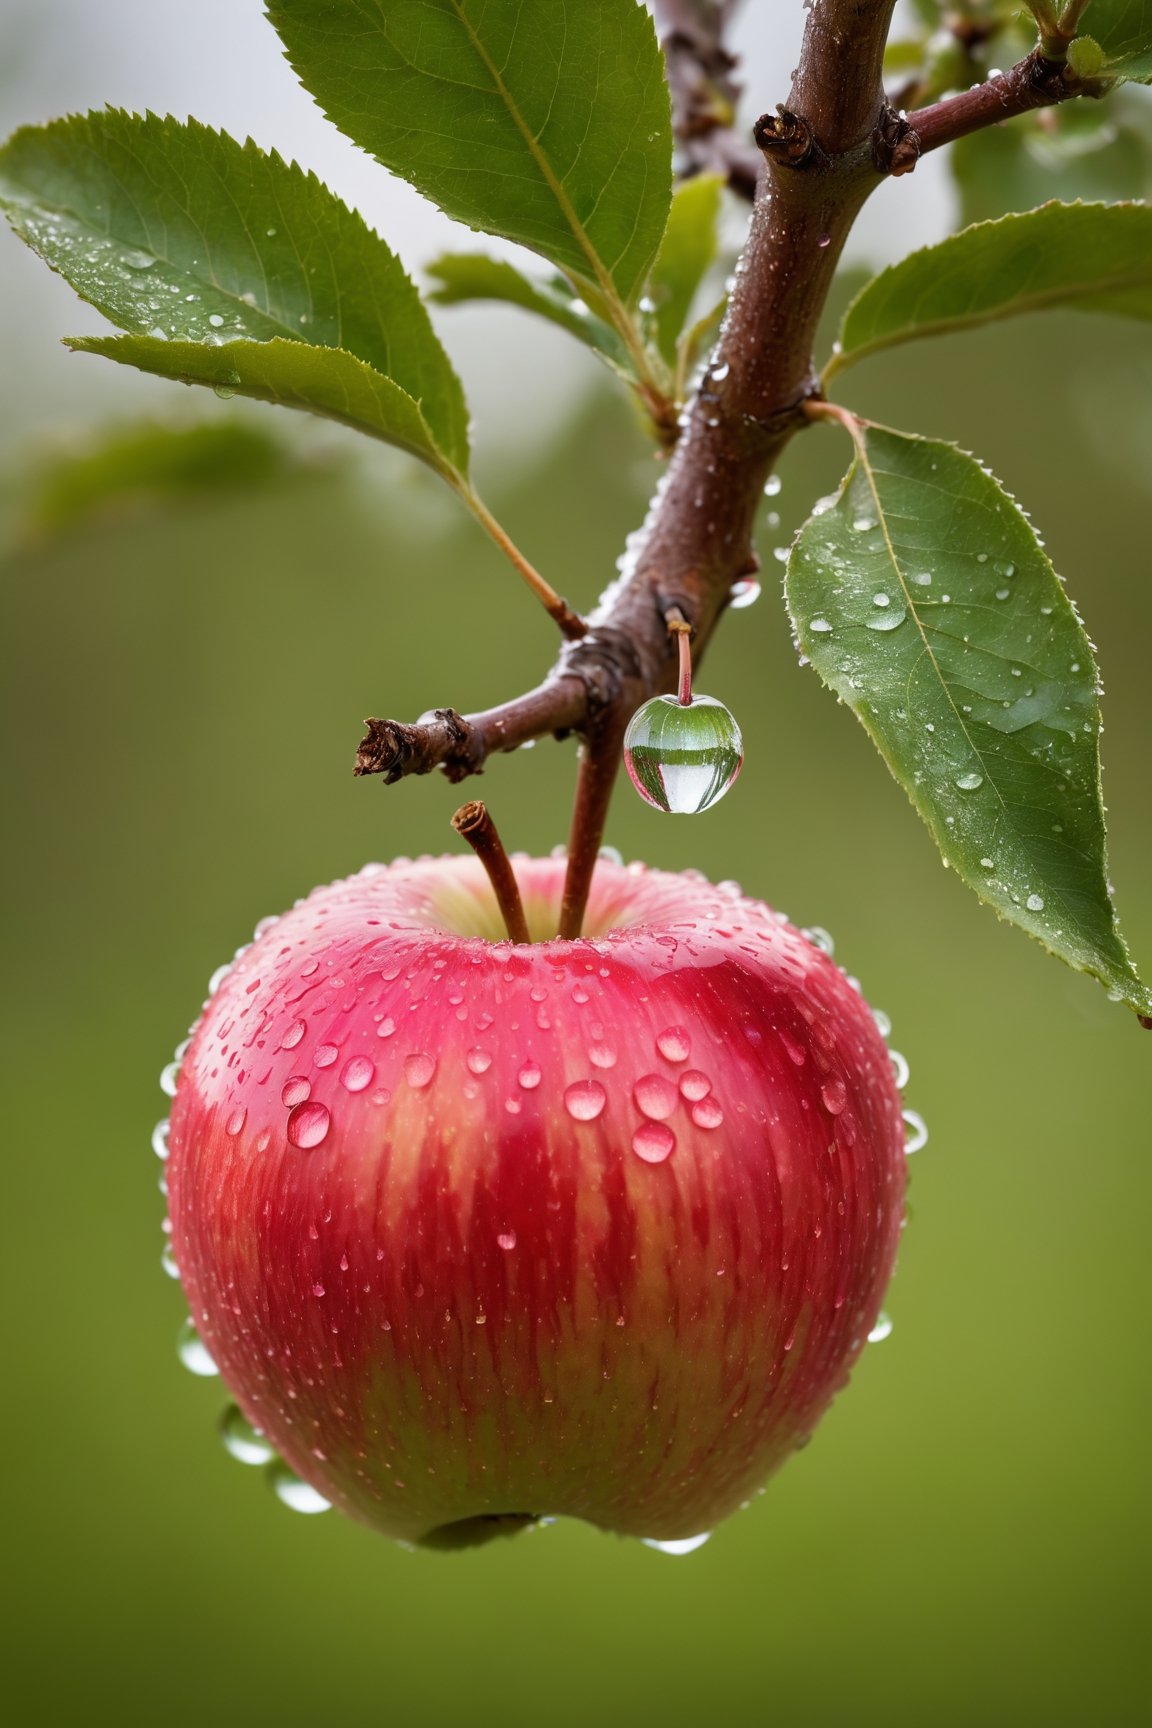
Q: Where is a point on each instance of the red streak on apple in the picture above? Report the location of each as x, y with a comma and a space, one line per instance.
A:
476, 1230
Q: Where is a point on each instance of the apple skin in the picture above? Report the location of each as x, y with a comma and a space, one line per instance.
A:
430, 1228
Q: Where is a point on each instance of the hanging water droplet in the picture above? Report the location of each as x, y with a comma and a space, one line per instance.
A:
882, 1328
742, 594
245, 1443
168, 1078
682, 759
194, 1353
915, 1131
160, 1139
681, 1545
168, 1261
969, 782
772, 486
900, 1069
295, 1494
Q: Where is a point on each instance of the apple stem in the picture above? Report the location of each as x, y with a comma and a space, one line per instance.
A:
679, 627
474, 824
599, 764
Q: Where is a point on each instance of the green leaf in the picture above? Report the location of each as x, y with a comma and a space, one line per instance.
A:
325, 381
924, 599
465, 276
1091, 257
1123, 29
180, 232
546, 121
686, 253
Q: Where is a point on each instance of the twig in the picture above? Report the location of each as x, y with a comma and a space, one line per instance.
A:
473, 823
759, 389
1033, 82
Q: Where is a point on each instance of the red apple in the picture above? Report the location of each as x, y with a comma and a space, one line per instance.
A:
477, 1231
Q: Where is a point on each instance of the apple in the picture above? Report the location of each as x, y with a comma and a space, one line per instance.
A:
478, 1231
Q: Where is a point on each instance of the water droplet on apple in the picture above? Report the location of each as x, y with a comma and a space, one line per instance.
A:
915, 1131
357, 1074
386, 1027
682, 759
529, 1077
298, 1496
602, 1054
168, 1261
654, 1142
325, 1055
674, 1043
297, 1089
243, 1442
160, 1139
900, 1069
308, 1125
584, 1100
695, 1085
419, 1069
506, 1240
835, 1096
168, 1078
882, 1328
194, 1353
235, 1122
655, 1097
478, 1061
293, 1035
681, 1545
707, 1113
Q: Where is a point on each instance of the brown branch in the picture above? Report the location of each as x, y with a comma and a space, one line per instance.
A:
1033, 82
828, 147
698, 537
705, 91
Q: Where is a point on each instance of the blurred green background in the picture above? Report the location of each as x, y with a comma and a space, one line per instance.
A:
186, 671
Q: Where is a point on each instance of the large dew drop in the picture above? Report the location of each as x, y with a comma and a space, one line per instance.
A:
682, 759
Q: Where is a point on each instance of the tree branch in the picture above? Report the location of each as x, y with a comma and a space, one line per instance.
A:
705, 91
826, 150
1033, 82
697, 539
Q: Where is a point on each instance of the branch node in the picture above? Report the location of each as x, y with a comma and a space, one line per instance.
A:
895, 143
785, 138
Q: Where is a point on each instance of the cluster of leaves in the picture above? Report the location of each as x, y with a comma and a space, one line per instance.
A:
921, 593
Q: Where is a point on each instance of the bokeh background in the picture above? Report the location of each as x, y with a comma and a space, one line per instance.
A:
201, 601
